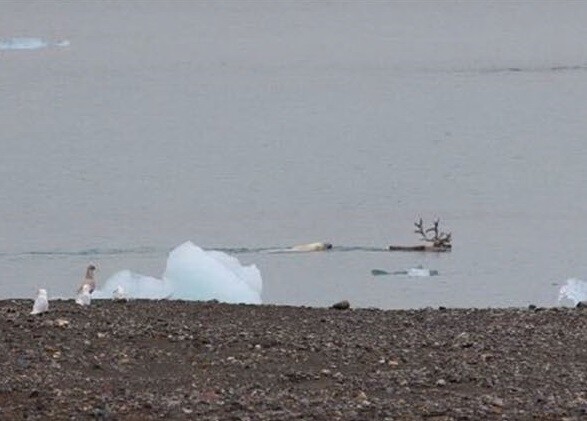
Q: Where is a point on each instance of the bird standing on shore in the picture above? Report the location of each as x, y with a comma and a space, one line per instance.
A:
41, 304
84, 298
119, 294
89, 279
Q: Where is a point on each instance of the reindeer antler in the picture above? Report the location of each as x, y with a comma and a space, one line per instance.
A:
440, 239
420, 229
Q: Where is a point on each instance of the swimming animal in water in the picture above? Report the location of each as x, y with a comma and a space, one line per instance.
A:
41, 304
312, 247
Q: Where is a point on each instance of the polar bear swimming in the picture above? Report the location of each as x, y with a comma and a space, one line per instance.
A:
319, 246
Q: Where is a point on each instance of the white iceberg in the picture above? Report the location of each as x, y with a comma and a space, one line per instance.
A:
192, 274
135, 286
575, 290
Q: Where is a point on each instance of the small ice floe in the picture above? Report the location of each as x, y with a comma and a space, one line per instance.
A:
419, 271
84, 298
41, 304
135, 285
29, 43
119, 294
575, 291
415, 272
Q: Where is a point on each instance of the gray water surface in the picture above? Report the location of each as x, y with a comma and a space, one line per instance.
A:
251, 125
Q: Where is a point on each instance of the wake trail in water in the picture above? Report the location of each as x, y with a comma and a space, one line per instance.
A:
518, 70
106, 252
82, 252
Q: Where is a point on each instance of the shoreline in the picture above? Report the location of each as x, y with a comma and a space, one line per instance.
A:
206, 360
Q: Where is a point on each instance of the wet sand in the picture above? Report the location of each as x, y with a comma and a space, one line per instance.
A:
187, 360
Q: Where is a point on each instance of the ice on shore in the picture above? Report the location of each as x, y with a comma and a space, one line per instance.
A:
29, 43
192, 274
135, 286
575, 290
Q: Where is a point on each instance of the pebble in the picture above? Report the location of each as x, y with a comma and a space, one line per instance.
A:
341, 305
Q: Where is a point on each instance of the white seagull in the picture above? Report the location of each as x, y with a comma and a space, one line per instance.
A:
41, 304
119, 294
84, 298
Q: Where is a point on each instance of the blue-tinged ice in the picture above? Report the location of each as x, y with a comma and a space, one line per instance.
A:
419, 271
575, 290
28, 43
211, 275
135, 286
193, 274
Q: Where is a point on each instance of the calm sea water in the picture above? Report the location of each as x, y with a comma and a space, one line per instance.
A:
240, 125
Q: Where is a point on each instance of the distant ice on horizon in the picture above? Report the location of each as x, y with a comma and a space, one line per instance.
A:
192, 274
29, 43
419, 272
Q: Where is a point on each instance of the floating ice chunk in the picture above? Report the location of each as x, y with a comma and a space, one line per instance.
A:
193, 274
29, 43
63, 43
196, 274
575, 290
418, 271
135, 286
421, 272
22, 44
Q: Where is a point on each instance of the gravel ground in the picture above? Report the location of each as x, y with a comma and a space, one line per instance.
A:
209, 361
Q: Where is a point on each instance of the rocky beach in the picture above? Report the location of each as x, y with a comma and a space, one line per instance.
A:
211, 361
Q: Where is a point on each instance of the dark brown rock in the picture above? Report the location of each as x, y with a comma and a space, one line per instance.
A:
341, 305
